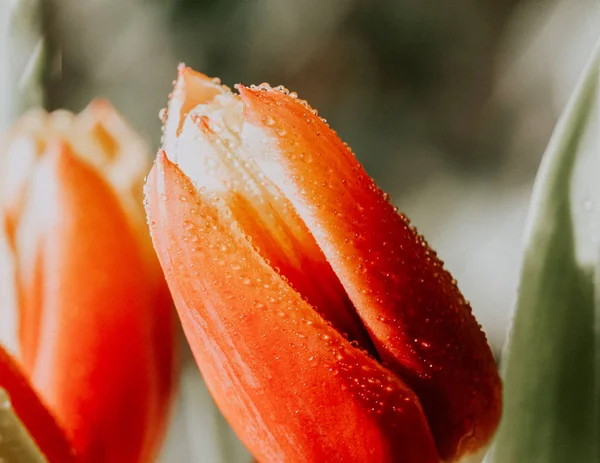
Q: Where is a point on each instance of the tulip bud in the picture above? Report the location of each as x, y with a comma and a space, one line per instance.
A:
324, 325
93, 312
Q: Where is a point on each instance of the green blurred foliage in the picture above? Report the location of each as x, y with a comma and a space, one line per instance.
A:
407, 83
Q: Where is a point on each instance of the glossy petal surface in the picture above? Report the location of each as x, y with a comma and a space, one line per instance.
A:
291, 386
294, 189
40, 423
210, 150
417, 318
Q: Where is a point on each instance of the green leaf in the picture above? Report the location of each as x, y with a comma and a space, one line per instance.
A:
551, 363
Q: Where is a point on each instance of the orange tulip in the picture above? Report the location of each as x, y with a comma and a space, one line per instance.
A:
323, 324
94, 321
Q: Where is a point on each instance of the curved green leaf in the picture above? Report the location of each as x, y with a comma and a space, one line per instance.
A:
551, 363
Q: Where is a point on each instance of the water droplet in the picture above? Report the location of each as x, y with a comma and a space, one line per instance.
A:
162, 115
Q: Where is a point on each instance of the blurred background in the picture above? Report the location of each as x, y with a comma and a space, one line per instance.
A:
448, 104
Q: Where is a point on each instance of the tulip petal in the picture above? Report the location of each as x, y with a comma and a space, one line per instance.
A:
116, 150
417, 318
93, 358
40, 423
191, 89
291, 386
209, 152
17, 164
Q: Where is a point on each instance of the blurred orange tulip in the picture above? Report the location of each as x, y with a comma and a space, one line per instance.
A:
324, 325
93, 311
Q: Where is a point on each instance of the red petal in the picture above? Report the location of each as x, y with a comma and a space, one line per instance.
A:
419, 321
291, 386
33, 414
93, 359
209, 155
